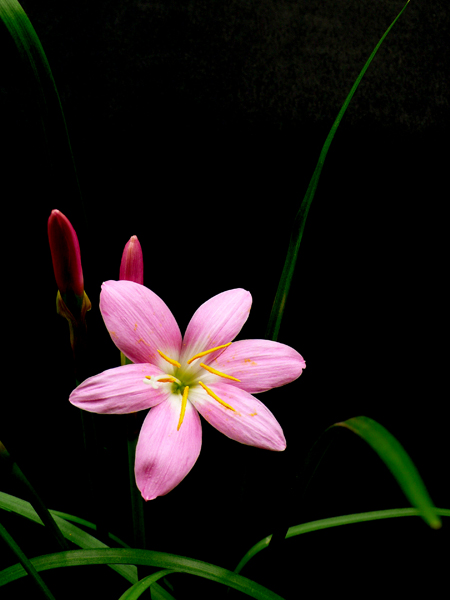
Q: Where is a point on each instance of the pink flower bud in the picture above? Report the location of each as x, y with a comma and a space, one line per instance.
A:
132, 264
65, 251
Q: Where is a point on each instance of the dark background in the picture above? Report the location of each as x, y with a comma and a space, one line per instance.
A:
197, 126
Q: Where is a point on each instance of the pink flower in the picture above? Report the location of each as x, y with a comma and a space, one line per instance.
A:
178, 378
132, 264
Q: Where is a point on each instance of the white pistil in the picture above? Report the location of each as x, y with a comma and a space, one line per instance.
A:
156, 383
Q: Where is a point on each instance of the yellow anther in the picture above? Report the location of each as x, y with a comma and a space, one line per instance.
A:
216, 397
207, 352
216, 372
166, 380
183, 406
175, 363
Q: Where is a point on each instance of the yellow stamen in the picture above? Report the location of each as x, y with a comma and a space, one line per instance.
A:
183, 406
216, 372
216, 397
167, 380
207, 352
175, 363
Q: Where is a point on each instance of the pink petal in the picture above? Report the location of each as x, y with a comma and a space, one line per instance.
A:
139, 323
216, 322
250, 423
120, 390
260, 364
164, 456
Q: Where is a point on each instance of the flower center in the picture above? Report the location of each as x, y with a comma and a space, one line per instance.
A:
186, 377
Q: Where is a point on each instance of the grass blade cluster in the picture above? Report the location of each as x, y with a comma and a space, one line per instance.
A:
122, 556
121, 559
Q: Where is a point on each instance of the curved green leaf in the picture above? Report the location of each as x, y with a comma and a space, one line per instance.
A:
139, 588
26, 564
13, 469
78, 537
398, 462
284, 285
88, 524
336, 522
37, 71
110, 556
69, 531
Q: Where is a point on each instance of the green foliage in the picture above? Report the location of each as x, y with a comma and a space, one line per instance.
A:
375, 515
120, 559
398, 462
284, 285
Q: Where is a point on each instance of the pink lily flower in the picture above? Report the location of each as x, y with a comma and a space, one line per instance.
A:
180, 377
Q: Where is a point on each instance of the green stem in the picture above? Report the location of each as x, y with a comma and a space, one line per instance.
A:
137, 502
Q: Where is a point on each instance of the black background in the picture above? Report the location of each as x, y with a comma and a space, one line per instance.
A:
196, 126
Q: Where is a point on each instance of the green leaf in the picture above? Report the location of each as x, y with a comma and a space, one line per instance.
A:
398, 462
87, 524
13, 470
284, 285
139, 588
26, 564
375, 515
78, 537
38, 74
117, 556
69, 531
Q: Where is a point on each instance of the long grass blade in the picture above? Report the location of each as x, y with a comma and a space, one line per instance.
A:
388, 449
398, 462
284, 285
375, 515
26, 564
10, 465
139, 588
39, 77
70, 532
115, 556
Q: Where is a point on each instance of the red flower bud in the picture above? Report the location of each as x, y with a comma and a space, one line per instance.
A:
65, 251
132, 264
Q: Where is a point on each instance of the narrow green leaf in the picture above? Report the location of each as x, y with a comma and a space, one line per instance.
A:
26, 564
87, 524
69, 531
12, 468
37, 71
139, 588
110, 556
375, 515
279, 304
78, 537
398, 462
